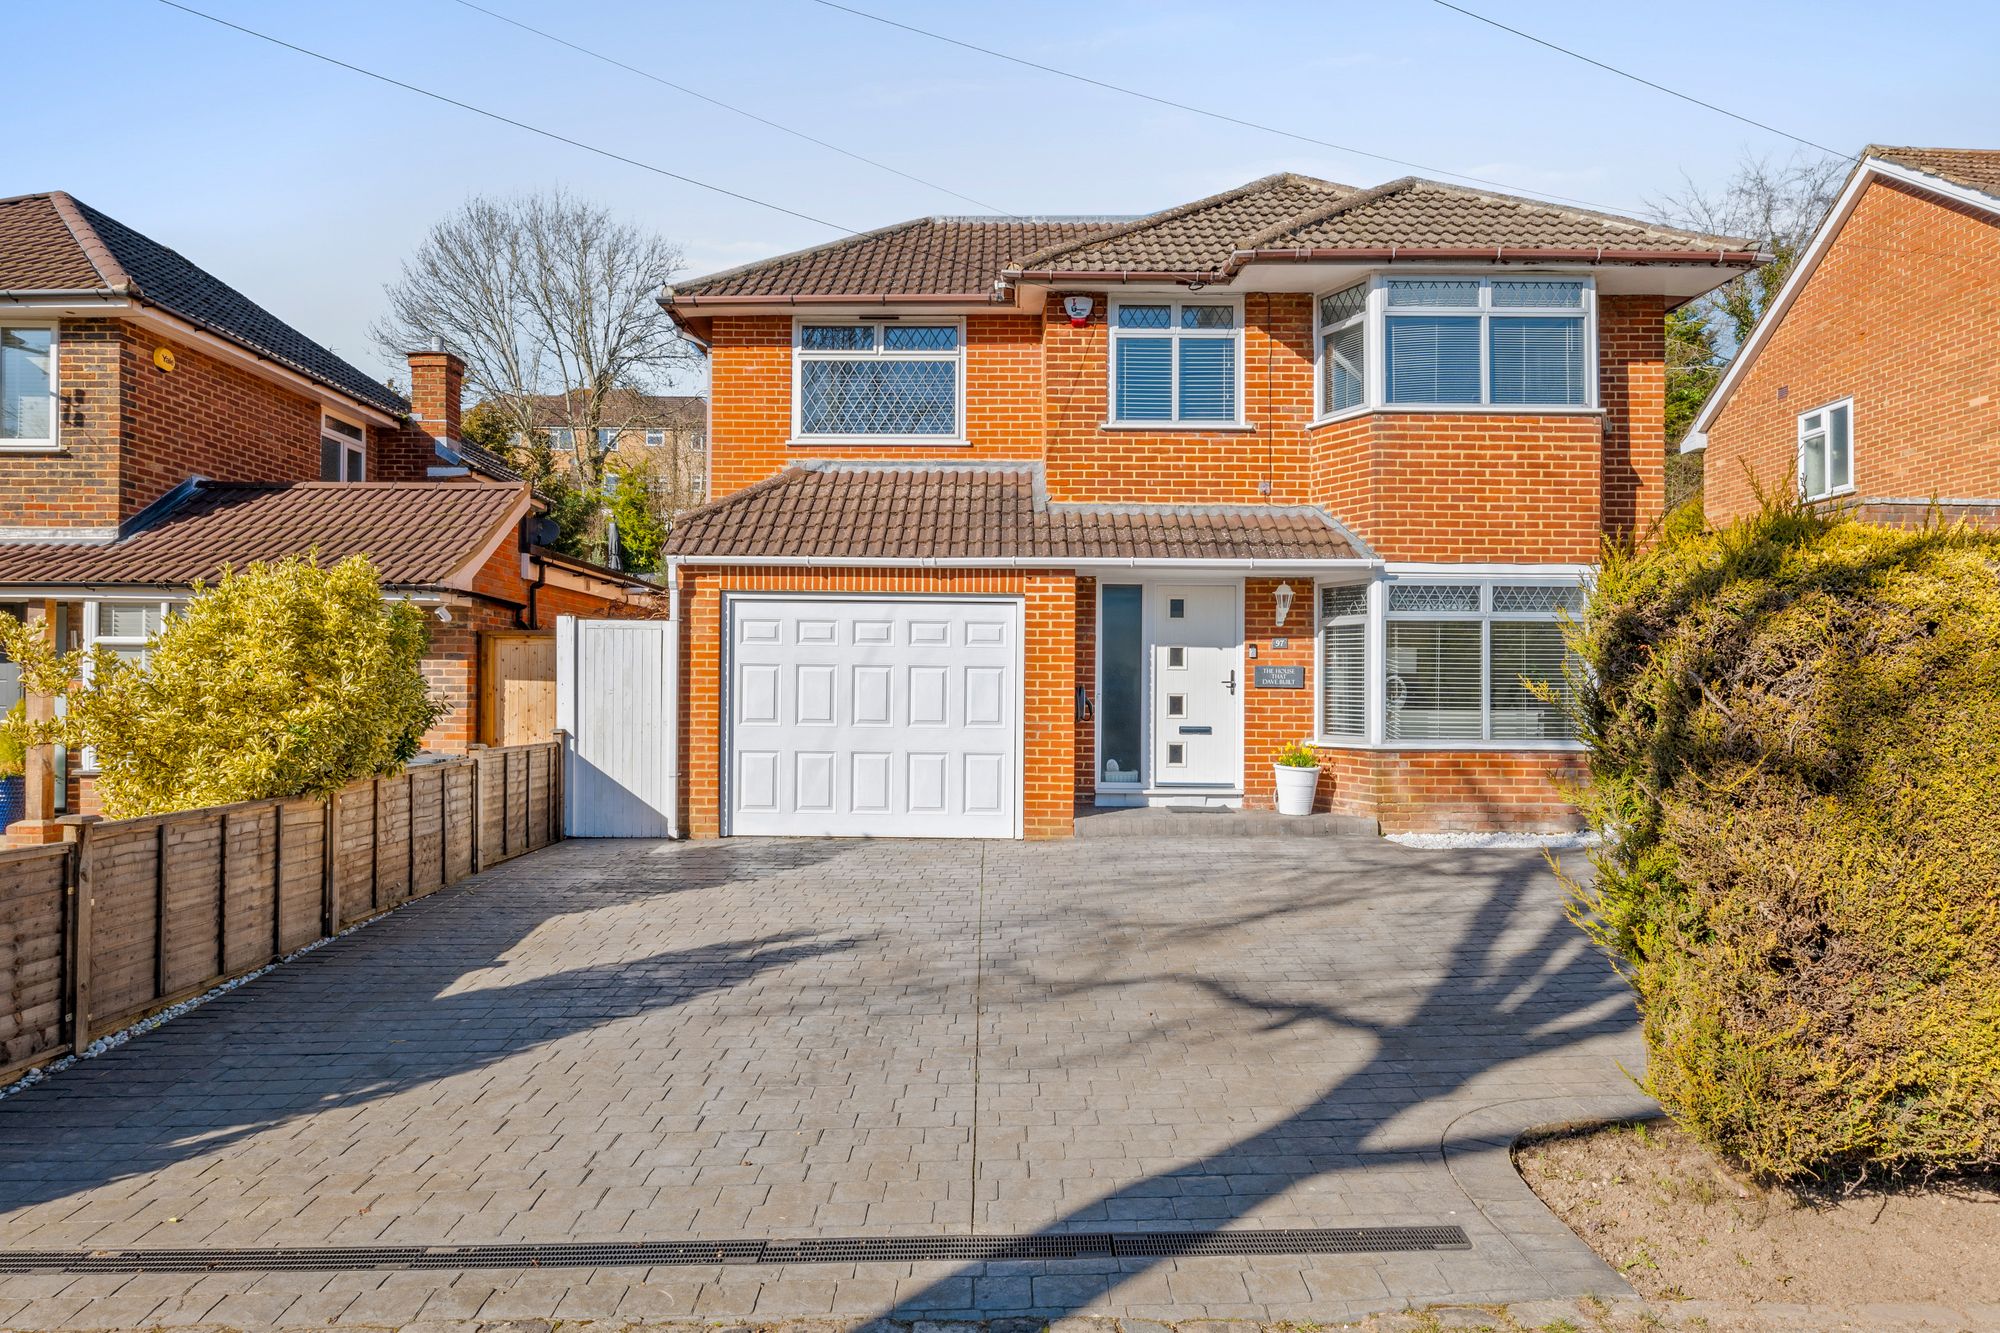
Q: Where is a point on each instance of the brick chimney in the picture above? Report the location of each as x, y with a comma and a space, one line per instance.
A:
437, 379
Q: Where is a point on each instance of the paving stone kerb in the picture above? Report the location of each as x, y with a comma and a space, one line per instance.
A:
620, 1041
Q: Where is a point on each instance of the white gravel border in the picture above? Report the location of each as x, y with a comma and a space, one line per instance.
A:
1553, 842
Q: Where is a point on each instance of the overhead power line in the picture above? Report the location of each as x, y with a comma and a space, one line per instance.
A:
509, 120
1212, 114
726, 106
1641, 79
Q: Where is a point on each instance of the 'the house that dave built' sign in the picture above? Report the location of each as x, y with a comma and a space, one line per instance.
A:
1281, 677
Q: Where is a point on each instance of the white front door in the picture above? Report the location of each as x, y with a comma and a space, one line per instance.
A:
1197, 652
874, 717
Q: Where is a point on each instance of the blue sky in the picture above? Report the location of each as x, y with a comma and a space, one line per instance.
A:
305, 185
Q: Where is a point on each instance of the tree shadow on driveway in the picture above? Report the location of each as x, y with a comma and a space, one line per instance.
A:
1515, 985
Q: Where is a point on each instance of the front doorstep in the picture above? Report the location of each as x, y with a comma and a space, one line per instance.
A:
1162, 798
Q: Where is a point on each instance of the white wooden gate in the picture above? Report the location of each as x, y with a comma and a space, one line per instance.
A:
617, 705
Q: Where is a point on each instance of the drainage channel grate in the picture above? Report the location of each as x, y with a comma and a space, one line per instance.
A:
811, 1250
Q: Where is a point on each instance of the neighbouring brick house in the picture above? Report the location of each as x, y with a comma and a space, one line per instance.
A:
1873, 381
156, 424
667, 430
1016, 515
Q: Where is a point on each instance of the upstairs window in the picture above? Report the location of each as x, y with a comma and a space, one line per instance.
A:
1826, 450
1175, 362
607, 437
27, 386
870, 380
343, 450
562, 437
1449, 342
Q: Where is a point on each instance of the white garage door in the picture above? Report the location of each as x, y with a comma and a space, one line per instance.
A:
876, 717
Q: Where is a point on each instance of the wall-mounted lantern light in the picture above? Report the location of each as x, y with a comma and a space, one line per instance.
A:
1283, 598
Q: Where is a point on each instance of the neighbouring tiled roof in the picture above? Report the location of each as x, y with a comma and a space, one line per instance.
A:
982, 511
926, 255
1975, 168
418, 534
54, 242
1423, 214
482, 460
1199, 235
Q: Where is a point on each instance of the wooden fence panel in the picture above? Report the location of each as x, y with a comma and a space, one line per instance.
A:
136, 914
191, 903
125, 921
34, 888
302, 858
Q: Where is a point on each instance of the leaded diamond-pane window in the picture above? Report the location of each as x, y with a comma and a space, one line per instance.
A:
1434, 597
1345, 601
1145, 316
1175, 362
869, 380
1433, 293
1525, 597
1208, 317
1538, 295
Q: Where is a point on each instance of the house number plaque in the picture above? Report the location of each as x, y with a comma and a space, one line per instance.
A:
1281, 677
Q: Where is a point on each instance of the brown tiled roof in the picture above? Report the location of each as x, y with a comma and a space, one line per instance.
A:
984, 511
943, 256
418, 534
1200, 235
1975, 168
52, 242
1424, 214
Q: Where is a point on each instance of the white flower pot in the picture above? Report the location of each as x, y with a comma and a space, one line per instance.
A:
1295, 788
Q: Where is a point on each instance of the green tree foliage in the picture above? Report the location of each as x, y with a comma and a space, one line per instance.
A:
642, 529
286, 679
1794, 727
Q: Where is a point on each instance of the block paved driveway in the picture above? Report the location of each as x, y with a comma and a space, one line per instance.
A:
647, 1041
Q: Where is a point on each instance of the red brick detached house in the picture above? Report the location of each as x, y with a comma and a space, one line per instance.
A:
1012, 516
156, 424
1873, 380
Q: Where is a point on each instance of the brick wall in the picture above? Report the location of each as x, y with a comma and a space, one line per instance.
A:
78, 486
1431, 791
1050, 604
1902, 314
1274, 718
1632, 389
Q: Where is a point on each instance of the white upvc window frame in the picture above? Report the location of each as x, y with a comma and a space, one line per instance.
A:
956, 357
1175, 333
351, 450
561, 437
53, 440
1375, 316
1376, 665
1825, 412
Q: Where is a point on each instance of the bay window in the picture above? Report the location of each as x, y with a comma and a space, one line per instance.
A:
1826, 450
876, 379
27, 386
1343, 662
1174, 362
1457, 342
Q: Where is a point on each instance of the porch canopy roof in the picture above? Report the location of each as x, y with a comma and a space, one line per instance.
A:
987, 513
424, 534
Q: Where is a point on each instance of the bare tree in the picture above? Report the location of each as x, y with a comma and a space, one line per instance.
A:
551, 301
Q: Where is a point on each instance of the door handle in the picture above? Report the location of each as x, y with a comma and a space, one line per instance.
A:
1231, 683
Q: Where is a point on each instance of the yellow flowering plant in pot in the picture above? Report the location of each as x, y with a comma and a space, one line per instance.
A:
1297, 772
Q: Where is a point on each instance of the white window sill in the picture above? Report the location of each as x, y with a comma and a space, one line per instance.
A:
1181, 427
1501, 747
31, 447
1833, 494
891, 441
1457, 410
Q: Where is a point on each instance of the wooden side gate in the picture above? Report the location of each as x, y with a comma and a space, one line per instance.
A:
517, 687
617, 705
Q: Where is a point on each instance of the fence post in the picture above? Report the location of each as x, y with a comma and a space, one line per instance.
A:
222, 892
277, 879
374, 844
160, 910
76, 832
506, 804
557, 756
410, 834
444, 824
472, 754
328, 899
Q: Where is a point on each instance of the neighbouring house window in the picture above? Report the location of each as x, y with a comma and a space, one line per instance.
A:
27, 386
343, 450
1121, 653
1343, 663
562, 437
1826, 450
607, 437
1458, 656
878, 379
1174, 361
655, 438
126, 627
1343, 349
